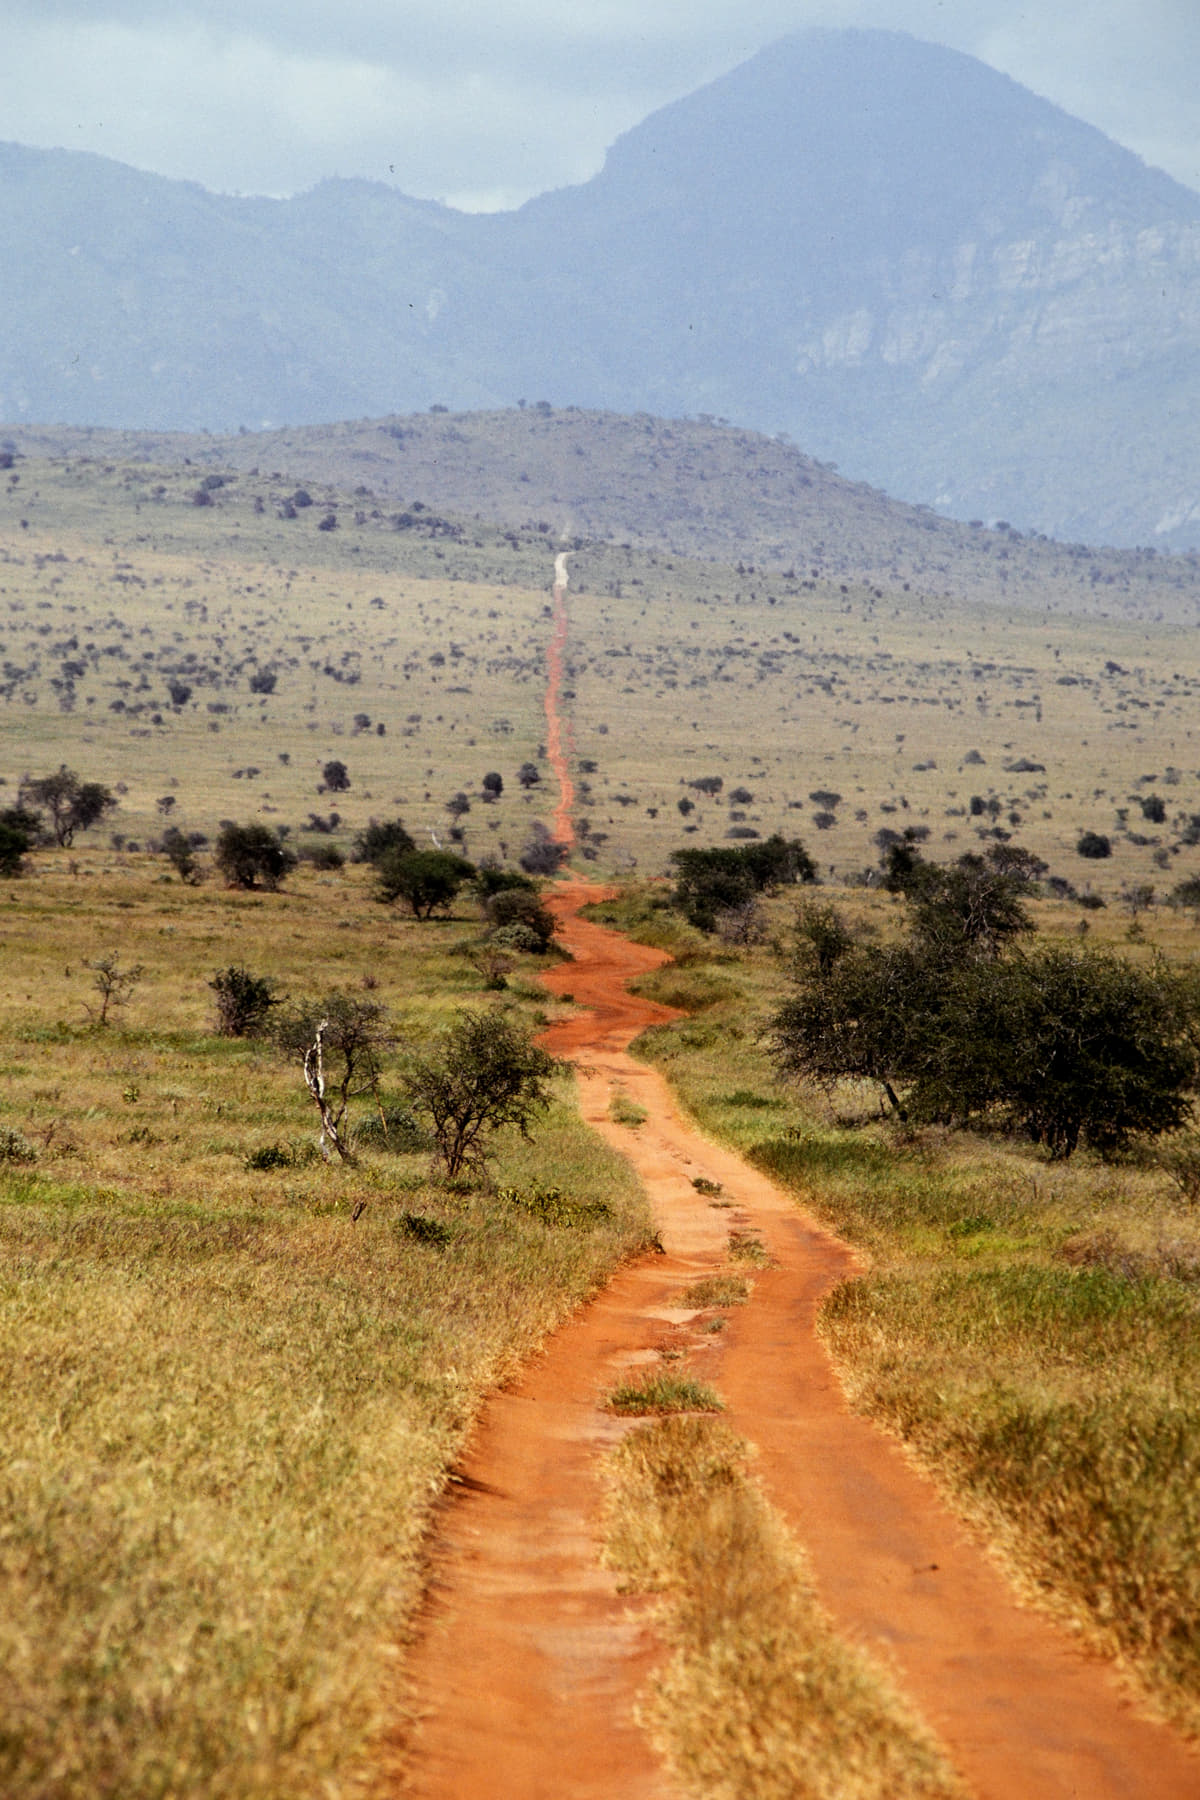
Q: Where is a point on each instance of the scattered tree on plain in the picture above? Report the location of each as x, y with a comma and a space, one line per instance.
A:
251, 856
428, 881
73, 805
340, 1042
114, 985
486, 1074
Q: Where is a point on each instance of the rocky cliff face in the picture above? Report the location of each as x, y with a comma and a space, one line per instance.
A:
907, 262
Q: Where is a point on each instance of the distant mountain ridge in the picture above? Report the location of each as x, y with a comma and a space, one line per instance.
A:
902, 259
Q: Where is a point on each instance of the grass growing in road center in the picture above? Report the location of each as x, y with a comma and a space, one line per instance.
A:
761, 1698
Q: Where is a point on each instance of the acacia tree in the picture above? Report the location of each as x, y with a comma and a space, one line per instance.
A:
486, 1073
426, 880
250, 856
1058, 1043
73, 805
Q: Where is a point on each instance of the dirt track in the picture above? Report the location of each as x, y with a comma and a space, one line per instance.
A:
530, 1662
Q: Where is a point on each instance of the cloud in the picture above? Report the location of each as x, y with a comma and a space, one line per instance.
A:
450, 100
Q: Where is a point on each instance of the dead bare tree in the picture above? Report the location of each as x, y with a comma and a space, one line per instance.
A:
340, 1044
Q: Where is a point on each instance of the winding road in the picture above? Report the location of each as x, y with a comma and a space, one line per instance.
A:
529, 1661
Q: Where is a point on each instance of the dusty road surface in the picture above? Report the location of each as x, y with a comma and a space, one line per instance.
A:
530, 1661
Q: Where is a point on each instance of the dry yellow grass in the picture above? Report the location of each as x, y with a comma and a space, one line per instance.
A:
761, 1700
228, 1402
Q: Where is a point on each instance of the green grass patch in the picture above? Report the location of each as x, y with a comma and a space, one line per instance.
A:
624, 1111
664, 1392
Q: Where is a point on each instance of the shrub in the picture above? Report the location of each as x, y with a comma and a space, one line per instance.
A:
178, 849
251, 856
521, 906
19, 832
380, 837
487, 1073
335, 776
715, 881
244, 1001
14, 1148
542, 854
1094, 844
428, 881
324, 856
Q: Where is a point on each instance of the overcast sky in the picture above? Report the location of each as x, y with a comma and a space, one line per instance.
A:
482, 105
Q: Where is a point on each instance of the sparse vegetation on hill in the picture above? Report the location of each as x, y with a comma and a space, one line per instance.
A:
413, 658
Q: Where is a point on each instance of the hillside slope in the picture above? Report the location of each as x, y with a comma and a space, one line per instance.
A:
686, 487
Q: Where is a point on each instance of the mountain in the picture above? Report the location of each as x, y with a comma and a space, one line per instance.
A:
907, 262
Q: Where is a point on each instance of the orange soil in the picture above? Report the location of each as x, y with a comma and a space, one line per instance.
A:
529, 1662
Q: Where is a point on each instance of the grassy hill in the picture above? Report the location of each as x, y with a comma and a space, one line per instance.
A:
695, 487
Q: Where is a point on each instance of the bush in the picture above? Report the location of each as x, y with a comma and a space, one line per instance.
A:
380, 837
428, 881
542, 854
487, 1073
521, 907
711, 882
394, 1127
14, 1148
1094, 844
19, 832
251, 856
336, 776
178, 849
324, 856
244, 1001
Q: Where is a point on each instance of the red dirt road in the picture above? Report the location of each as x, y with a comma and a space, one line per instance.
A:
529, 1663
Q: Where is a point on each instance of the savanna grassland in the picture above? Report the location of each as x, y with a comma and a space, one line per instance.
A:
233, 1391
234, 1377
208, 660
1026, 1326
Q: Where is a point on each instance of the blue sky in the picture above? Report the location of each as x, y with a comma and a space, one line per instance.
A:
482, 106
